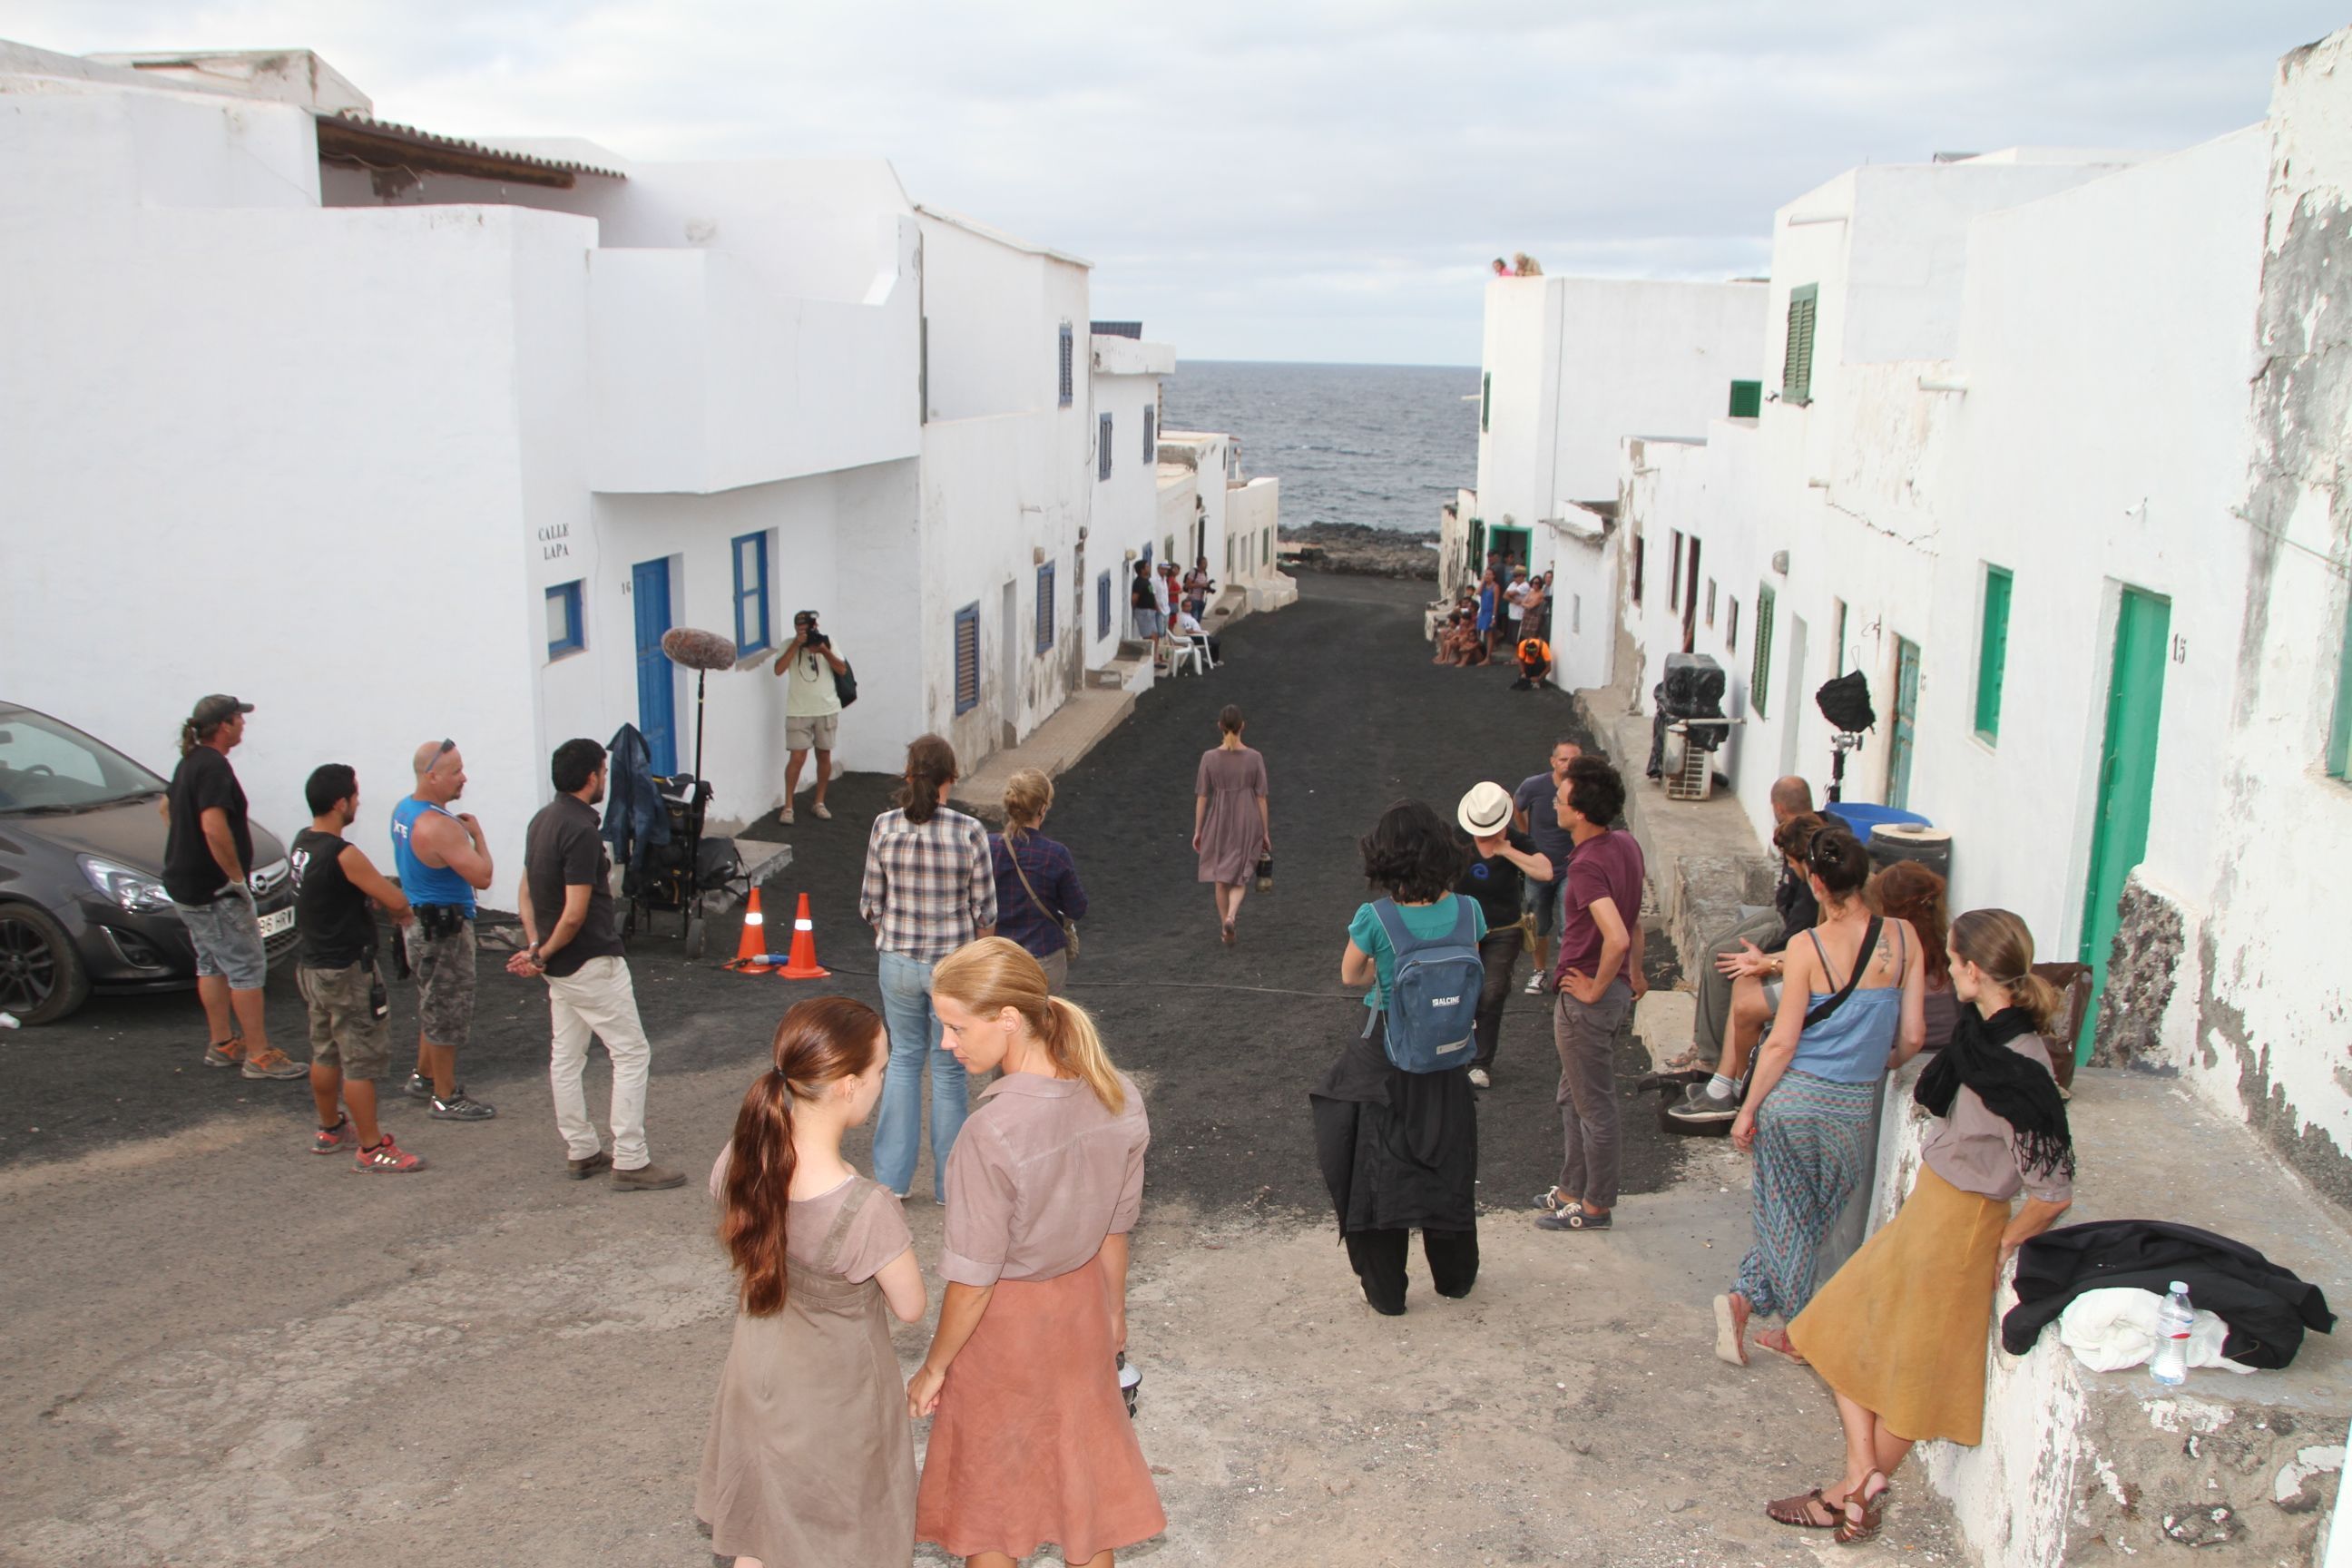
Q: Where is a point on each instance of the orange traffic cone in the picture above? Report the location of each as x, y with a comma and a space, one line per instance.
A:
803, 964
753, 947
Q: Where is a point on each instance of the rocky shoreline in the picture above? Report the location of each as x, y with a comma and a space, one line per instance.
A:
1353, 547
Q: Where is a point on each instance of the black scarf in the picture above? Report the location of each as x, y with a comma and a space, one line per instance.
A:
2012, 1086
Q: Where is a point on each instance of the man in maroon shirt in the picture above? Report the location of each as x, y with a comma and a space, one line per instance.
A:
1598, 978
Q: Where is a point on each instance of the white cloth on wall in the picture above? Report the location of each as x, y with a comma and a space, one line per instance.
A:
2113, 1329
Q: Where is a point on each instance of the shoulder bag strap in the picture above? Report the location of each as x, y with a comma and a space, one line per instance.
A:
1861, 961
1013, 853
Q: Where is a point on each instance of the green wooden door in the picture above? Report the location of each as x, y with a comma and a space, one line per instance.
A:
1906, 724
2126, 779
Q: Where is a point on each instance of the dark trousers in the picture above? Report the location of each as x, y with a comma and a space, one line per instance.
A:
1499, 950
1377, 1258
1586, 1035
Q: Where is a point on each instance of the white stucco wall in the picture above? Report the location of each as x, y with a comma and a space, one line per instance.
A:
1126, 506
322, 522
1575, 364
2258, 1010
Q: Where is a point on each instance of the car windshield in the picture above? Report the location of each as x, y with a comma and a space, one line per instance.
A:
49, 766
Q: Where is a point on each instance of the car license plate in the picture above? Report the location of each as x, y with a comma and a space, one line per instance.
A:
277, 921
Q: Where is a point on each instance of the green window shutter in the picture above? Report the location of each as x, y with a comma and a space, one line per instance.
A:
1746, 399
1796, 356
1759, 673
1485, 399
2339, 733
1992, 652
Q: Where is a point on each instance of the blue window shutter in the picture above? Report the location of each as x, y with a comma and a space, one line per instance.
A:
1069, 350
1046, 607
751, 552
1102, 449
967, 658
564, 632
1151, 435
1102, 606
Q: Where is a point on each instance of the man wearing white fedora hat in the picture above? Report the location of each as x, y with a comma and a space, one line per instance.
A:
1499, 862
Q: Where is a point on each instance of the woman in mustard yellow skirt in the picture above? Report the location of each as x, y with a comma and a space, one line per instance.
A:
1899, 1332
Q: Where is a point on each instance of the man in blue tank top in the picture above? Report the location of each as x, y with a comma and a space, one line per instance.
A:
442, 861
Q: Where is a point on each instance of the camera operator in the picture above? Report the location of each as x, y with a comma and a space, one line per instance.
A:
811, 707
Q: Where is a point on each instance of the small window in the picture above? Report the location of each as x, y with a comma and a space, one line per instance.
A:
2339, 732
1265, 548
1992, 652
1730, 625
1837, 638
1069, 385
1674, 571
1151, 435
1637, 570
1485, 400
967, 658
1710, 601
1575, 614
1102, 449
1797, 355
1746, 399
1046, 607
1168, 548
1102, 604
1760, 671
751, 592
564, 633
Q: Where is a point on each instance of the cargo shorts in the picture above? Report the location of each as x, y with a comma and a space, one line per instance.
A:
803, 730
226, 935
445, 983
345, 1033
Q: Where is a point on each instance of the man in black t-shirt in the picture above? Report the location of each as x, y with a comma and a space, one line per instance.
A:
207, 857
333, 886
1499, 862
566, 902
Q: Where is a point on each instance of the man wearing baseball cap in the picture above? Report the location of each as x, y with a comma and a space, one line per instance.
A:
1499, 862
207, 857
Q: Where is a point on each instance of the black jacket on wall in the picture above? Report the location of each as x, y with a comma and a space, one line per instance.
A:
2266, 1307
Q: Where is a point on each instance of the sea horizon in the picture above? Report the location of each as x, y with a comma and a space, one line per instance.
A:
1382, 446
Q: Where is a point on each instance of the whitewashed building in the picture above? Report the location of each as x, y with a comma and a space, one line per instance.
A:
2009, 470
401, 436
1569, 368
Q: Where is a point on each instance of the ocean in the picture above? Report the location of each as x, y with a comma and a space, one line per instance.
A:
1384, 446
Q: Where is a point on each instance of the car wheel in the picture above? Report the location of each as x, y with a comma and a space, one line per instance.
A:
41, 975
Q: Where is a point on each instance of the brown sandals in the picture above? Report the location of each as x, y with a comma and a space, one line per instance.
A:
1851, 1531
1853, 1520
1799, 1511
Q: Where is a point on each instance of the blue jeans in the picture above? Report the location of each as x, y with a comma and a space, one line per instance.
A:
914, 1036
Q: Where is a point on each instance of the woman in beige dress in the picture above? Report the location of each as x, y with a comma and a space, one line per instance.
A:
1231, 827
811, 1457
1030, 1440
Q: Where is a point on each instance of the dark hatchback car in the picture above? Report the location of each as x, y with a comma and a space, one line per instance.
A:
82, 906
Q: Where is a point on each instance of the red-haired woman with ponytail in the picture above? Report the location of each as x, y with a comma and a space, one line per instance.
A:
1030, 1440
811, 1457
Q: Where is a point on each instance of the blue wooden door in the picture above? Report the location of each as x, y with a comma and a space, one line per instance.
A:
657, 677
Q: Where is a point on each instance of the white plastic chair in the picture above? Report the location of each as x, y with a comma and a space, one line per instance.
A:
1183, 651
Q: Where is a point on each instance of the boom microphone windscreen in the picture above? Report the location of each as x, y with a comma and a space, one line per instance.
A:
698, 650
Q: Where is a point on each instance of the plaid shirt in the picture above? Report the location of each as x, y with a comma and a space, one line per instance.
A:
1054, 875
929, 888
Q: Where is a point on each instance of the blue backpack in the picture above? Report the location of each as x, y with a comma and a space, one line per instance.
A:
1433, 1000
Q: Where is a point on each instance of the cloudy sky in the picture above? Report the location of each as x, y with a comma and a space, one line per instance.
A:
1293, 179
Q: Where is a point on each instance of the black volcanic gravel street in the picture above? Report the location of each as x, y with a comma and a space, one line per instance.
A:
1350, 714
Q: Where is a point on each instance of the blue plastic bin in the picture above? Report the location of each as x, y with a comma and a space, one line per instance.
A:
1864, 819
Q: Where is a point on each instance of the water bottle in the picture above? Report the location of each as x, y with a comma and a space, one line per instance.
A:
2174, 1319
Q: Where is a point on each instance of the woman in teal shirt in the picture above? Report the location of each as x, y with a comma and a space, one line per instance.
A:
1399, 1149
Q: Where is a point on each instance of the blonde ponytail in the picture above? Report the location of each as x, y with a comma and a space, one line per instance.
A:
1078, 1048
994, 972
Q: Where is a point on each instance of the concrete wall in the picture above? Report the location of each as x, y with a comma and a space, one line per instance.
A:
71, 142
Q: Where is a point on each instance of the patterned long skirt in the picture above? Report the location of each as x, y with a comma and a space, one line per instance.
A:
1812, 1140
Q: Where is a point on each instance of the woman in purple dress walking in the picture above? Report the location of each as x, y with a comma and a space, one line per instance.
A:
1231, 827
